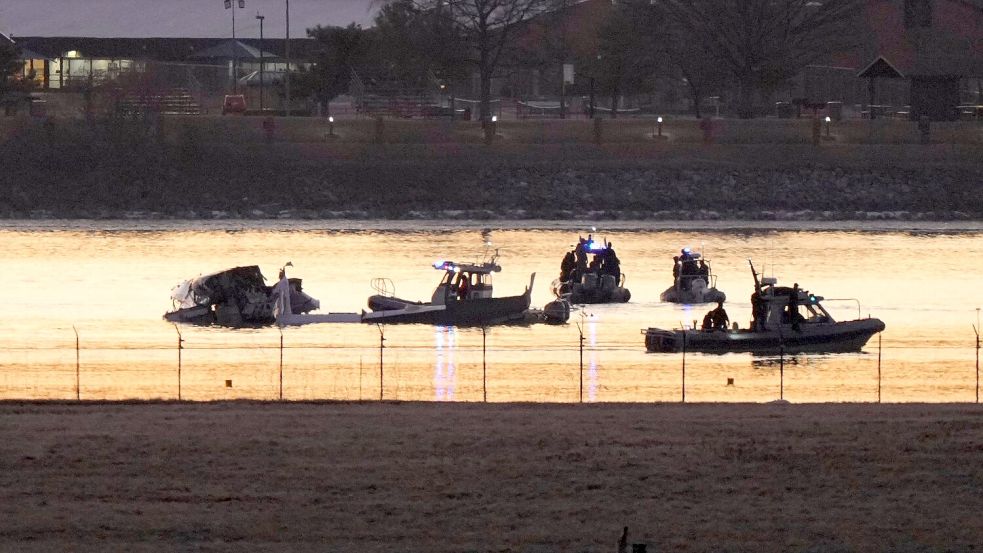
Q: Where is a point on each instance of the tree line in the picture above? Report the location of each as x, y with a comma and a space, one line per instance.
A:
753, 47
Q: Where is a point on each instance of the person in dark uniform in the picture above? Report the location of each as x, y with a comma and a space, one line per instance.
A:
704, 272
611, 265
758, 312
793, 307
708, 321
567, 266
580, 262
719, 318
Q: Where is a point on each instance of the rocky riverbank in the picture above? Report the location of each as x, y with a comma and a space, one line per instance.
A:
815, 193
115, 174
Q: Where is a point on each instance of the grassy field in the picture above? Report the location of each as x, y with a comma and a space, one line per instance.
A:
545, 131
455, 478
579, 131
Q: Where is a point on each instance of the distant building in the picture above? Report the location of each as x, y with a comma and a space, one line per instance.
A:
936, 48
78, 62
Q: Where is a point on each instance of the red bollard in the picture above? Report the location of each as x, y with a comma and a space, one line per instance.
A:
706, 125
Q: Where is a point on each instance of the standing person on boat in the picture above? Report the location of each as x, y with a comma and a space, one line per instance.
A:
675, 268
463, 286
688, 270
793, 307
758, 311
704, 272
611, 265
580, 262
567, 266
718, 317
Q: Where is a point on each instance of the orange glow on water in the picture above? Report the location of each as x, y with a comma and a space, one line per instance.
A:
111, 281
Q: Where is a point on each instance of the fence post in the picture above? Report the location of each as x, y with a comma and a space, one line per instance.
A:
78, 388
878, 367
484, 365
180, 346
976, 330
580, 329
781, 371
382, 346
684, 365
281, 362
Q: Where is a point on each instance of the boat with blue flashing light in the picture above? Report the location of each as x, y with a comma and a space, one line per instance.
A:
785, 319
693, 280
597, 281
463, 297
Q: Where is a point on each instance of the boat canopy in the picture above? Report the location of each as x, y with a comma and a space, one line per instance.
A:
482, 268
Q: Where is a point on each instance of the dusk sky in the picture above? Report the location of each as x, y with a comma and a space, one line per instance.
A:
173, 18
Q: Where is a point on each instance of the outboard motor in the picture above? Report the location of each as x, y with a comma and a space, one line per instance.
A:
607, 283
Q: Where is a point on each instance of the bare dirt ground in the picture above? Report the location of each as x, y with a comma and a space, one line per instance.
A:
246, 476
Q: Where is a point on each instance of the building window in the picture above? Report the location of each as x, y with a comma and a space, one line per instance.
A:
917, 13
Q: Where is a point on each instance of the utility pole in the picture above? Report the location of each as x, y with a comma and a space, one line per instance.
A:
261, 18
287, 52
231, 4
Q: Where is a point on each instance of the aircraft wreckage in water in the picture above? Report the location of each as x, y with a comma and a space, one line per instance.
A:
239, 297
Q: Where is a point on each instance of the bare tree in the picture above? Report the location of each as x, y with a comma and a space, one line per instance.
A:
414, 44
487, 28
9, 63
627, 53
763, 43
341, 51
548, 44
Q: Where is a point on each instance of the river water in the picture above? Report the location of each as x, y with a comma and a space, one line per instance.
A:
109, 282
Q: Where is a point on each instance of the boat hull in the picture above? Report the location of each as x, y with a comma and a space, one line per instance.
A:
474, 312
605, 290
840, 337
697, 292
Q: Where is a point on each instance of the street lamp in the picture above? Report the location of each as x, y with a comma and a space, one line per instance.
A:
287, 52
330, 125
261, 18
827, 125
231, 5
659, 125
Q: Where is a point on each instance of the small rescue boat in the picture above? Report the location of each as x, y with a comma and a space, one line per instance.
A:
778, 326
693, 281
600, 281
463, 297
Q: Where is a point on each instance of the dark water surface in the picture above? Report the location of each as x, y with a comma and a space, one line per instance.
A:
111, 282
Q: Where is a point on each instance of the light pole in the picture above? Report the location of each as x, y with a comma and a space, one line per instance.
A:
231, 4
287, 52
261, 18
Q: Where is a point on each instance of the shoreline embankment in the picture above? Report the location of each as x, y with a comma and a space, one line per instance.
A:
186, 170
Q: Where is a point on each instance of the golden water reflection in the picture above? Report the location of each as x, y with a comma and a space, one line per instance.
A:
111, 281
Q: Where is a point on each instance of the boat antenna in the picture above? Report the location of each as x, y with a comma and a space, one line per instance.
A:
757, 283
